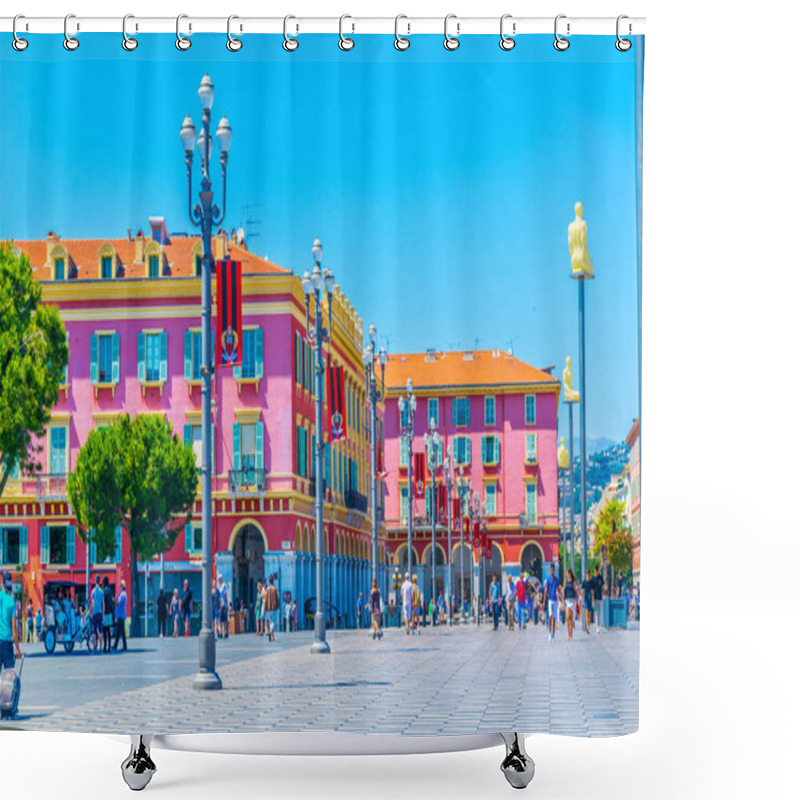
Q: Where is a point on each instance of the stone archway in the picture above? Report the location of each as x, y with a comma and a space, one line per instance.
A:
427, 570
463, 572
494, 567
248, 545
530, 560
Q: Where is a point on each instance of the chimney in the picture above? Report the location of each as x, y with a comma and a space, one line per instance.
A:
138, 247
52, 241
430, 354
221, 245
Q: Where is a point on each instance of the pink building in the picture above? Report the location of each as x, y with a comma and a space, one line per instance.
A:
131, 308
500, 417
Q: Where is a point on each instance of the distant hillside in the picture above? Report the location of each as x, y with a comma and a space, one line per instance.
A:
600, 466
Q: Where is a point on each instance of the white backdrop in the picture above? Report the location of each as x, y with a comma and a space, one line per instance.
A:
719, 704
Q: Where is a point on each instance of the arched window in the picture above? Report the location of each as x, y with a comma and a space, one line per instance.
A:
153, 260
106, 261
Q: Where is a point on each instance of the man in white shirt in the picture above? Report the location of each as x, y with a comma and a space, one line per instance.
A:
406, 595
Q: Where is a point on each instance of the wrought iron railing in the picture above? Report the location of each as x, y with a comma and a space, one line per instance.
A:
247, 482
356, 501
51, 487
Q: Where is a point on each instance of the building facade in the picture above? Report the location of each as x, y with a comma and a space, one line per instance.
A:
634, 498
131, 308
499, 416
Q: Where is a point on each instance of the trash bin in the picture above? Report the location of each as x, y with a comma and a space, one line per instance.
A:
614, 613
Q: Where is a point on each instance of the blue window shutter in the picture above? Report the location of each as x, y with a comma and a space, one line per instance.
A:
259, 445
187, 355
93, 358
187, 434
115, 358
118, 544
259, 337
237, 456
187, 536
483, 449
469, 451
140, 357
454, 403
468, 405
23, 545
44, 533
70, 544
162, 352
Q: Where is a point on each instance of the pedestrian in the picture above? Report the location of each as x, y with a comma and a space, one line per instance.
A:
511, 596
96, 605
294, 615
120, 616
187, 606
224, 605
376, 609
272, 604
214, 610
9, 629
108, 614
552, 591
29, 621
407, 597
440, 603
258, 604
588, 599
495, 598
359, 609
416, 603
288, 616
522, 599
161, 613
175, 611
569, 602
39, 624
598, 597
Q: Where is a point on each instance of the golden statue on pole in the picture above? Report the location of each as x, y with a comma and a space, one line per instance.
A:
563, 455
570, 395
578, 252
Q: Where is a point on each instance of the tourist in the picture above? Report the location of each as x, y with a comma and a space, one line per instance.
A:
39, 624
511, 596
569, 602
121, 616
108, 614
360, 610
376, 609
161, 613
224, 606
9, 630
495, 598
441, 605
416, 603
175, 611
187, 606
522, 601
552, 591
214, 610
259, 601
272, 605
294, 615
407, 597
588, 599
96, 604
598, 597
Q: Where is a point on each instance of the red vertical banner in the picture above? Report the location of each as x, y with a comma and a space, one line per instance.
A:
419, 476
441, 504
456, 514
467, 530
229, 313
337, 416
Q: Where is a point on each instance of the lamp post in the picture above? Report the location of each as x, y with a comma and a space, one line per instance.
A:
205, 215
464, 491
409, 402
448, 482
316, 335
373, 398
433, 443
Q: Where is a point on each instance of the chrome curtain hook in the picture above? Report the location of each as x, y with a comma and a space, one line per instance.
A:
181, 41
290, 44
128, 42
623, 45
234, 44
401, 42
19, 44
451, 42
507, 42
345, 42
561, 43
70, 42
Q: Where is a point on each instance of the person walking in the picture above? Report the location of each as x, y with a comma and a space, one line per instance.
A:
376, 609
29, 621
294, 615
224, 607
360, 610
416, 604
175, 611
258, 604
121, 616
522, 599
96, 604
273, 605
442, 608
214, 610
511, 596
495, 597
108, 614
598, 597
161, 613
588, 599
570, 594
287, 616
407, 598
40, 625
552, 591
9, 629
187, 606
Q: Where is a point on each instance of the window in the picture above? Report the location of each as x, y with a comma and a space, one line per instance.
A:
58, 271
104, 357
298, 358
248, 445
152, 356
152, 266
404, 416
193, 535
433, 410
530, 409
490, 490
461, 411
58, 544
462, 450
192, 355
252, 366
14, 545
488, 411
58, 452
106, 267
490, 450
530, 503
404, 501
193, 435
530, 448
114, 557
302, 451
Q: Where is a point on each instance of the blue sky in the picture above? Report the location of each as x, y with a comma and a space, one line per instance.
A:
441, 184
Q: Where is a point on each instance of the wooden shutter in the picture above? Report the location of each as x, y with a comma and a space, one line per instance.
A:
259, 350
23, 545
237, 456
70, 544
140, 357
187, 355
162, 353
93, 358
115, 358
44, 534
259, 445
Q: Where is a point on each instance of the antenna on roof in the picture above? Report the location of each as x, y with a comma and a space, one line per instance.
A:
511, 347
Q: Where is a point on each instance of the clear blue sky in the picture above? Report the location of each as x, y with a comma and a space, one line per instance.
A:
441, 184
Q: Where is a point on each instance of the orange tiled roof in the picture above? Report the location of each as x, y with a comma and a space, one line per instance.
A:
84, 256
438, 370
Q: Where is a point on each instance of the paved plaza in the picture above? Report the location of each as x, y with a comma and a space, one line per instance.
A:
458, 680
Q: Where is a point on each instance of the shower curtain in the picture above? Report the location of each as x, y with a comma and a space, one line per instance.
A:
320, 384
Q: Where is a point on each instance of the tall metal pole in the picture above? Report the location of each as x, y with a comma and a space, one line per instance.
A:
449, 486
572, 496
433, 529
582, 354
373, 411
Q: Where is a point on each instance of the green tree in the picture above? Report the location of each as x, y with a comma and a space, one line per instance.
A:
137, 474
612, 537
33, 355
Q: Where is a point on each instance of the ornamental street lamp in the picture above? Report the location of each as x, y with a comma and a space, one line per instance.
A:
373, 398
409, 402
448, 482
433, 443
464, 488
205, 215
315, 284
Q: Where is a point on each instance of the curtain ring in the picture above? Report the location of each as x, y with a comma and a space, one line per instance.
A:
290, 44
19, 44
623, 45
345, 42
128, 42
70, 42
451, 42
401, 42
561, 43
181, 42
234, 44
507, 42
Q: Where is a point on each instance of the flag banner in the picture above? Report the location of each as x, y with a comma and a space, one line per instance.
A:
467, 530
441, 503
419, 476
229, 313
337, 414
456, 514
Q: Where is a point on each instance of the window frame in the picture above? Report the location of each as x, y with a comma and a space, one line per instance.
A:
532, 399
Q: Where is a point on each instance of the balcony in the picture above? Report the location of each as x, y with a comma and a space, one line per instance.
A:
355, 501
247, 482
51, 487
